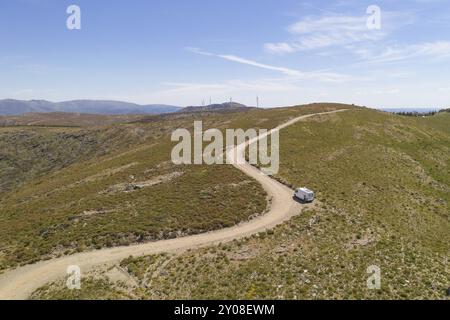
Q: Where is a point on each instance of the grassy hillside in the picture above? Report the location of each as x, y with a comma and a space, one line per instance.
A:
66, 190
27, 153
59, 119
383, 188
134, 196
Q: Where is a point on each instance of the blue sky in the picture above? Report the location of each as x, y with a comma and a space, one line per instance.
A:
182, 52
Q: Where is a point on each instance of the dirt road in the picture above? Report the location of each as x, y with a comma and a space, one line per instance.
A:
21, 282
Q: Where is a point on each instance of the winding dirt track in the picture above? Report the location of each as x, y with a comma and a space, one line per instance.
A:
19, 283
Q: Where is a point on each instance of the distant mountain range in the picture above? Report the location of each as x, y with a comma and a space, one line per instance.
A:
227, 106
18, 107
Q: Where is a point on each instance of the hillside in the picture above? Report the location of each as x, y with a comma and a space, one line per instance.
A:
383, 197
219, 107
65, 119
119, 184
70, 190
18, 107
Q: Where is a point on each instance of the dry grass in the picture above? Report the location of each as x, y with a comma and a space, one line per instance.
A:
382, 183
67, 190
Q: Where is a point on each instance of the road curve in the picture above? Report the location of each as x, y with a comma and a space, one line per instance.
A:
18, 284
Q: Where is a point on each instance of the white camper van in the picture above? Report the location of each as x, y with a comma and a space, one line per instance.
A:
304, 195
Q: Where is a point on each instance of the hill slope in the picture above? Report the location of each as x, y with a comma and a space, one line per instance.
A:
17, 107
117, 183
219, 107
64, 119
383, 189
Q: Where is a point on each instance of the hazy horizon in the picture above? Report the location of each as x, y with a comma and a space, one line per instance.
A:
179, 53
393, 109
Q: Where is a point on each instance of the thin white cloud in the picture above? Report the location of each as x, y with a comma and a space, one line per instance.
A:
325, 31
315, 75
286, 71
33, 68
435, 50
379, 91
319, 32
444, 90
329, 24
262, 85
220, 91
280, 47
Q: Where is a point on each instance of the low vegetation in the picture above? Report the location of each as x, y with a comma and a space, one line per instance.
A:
62, 119
383, 198
67, 190
420, 114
